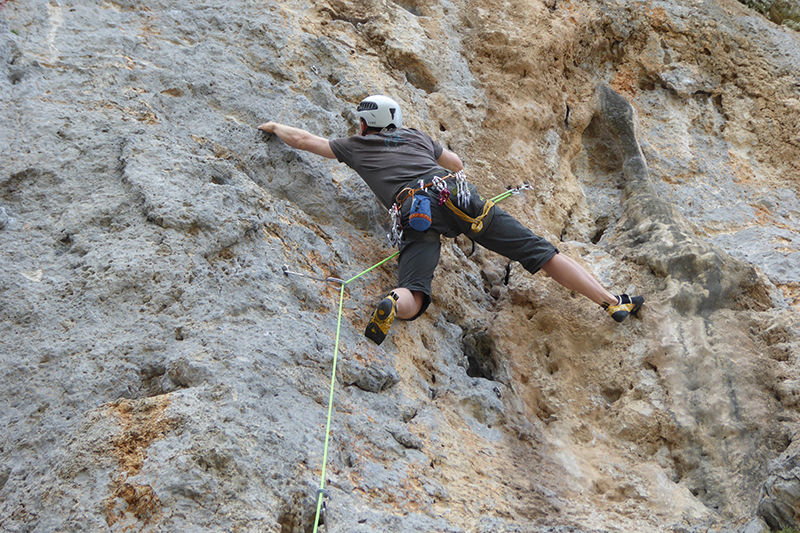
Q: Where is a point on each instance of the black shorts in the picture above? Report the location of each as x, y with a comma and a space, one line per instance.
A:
502, 233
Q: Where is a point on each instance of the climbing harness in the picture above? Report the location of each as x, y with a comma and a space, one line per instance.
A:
419, 217
419, 213
436, 182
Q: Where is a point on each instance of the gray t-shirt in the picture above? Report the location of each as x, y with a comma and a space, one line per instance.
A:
389, 160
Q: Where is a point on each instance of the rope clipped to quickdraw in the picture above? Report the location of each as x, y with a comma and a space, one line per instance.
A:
477, 222
321, 492
510, 191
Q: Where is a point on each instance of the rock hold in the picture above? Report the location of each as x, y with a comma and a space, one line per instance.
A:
373, 376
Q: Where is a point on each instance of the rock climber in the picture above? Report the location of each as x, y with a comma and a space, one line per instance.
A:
416, 179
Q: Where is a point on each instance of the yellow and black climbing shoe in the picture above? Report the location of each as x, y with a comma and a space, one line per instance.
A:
626, 305
382, 319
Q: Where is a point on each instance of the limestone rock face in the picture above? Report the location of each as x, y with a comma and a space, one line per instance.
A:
779, 11
161, 372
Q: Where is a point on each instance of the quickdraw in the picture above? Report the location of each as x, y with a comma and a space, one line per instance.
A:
395, 234
463, 193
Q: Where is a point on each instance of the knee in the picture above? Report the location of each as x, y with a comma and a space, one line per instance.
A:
408, 303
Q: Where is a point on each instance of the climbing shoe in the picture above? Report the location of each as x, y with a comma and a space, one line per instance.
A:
626, 305
382, 319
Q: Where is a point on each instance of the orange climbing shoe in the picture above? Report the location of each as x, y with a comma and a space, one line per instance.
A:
382, 319
627, 305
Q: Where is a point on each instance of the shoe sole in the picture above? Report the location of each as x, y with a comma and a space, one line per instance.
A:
637, 302
384, 309
373, 331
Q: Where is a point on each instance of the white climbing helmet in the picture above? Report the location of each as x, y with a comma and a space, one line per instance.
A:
379, 111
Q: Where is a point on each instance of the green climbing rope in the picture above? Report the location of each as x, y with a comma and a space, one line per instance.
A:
321, 491
376, 265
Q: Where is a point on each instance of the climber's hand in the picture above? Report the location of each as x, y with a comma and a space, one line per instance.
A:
268, 127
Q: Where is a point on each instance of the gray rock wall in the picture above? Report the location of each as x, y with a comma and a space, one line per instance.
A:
160, 372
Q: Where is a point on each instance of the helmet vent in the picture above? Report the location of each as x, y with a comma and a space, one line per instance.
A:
369, 106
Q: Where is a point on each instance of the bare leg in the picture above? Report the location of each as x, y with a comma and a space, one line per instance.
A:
572, 276
408, 303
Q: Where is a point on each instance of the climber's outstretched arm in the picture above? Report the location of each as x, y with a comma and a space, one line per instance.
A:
300, 139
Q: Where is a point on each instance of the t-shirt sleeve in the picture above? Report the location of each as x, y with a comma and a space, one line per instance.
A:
342, 150
437, 149
435, 146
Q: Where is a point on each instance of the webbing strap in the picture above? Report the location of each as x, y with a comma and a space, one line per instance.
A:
321, 491
477, 222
